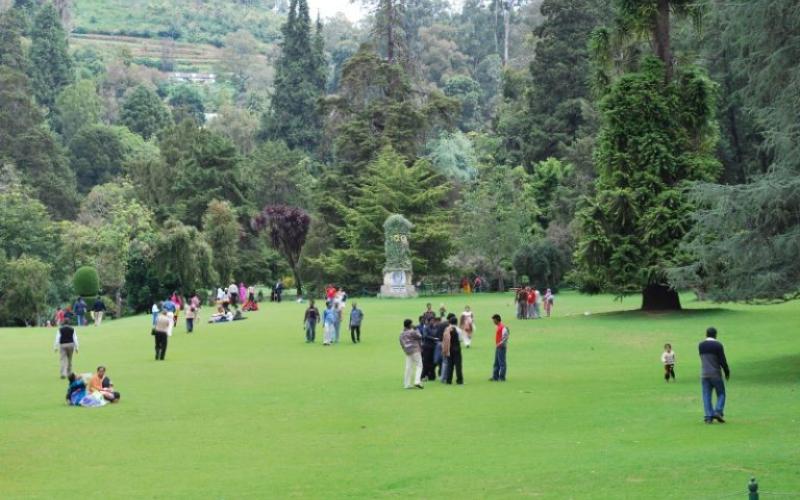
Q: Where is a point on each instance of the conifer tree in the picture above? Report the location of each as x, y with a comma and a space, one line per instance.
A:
293, 116
11, 28
50, 64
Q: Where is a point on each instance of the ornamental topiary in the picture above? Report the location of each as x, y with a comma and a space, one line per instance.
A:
86, 283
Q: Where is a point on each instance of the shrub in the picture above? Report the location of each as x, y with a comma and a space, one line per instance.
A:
86, 283
542, 262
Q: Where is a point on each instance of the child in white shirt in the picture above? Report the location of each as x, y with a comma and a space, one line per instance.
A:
668, 358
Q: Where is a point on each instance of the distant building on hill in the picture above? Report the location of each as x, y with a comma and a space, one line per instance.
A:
202, 78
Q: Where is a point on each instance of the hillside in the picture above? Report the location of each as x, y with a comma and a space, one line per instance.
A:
193, 21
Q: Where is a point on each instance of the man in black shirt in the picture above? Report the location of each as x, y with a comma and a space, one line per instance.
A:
98, 309
713, 363
66, 344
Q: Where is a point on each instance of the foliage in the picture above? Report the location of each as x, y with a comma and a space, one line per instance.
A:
221, 231
542, 262
144, 113
452, 155
277, 175
78, 106
497, 215
23, 299
201, 166
287, 228
468, 94
86, 282
300, 77
98, 152
655, 136
386, 187
25, 227
238, 126
182, 259
747, 236
187, 102
50, 64
12, 24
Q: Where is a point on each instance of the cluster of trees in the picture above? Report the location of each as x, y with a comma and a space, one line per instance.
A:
545, 141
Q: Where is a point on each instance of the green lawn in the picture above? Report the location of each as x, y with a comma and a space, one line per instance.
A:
249, 410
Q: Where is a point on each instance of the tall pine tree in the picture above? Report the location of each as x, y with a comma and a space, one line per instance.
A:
293, 116
50, 64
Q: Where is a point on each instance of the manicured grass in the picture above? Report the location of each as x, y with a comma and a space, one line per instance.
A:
249, 410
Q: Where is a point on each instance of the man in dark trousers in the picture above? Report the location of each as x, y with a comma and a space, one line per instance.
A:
451, 352
428, 348
713, 363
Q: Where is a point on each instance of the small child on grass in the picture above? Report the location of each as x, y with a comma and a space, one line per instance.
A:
668, 358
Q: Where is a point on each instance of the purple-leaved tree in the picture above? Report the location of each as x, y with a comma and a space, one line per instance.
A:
287, 228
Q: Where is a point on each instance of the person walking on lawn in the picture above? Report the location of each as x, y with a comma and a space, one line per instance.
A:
500, 346
411, 342
713, 363
356, 316
66, 343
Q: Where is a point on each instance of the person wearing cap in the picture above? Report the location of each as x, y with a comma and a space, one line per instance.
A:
713, 363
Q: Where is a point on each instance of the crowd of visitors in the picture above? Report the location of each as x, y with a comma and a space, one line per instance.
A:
530, 303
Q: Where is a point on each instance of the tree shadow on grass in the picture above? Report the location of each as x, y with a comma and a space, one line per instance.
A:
779, 370
717, 312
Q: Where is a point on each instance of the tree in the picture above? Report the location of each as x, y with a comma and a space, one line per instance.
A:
496, 216
745, 242
28, 144
655, 136
203, 167
278, 175
293, 116
468, 94
240, 126
388, 186
144, 113
23, 299
222, 232
86, 282
98, 152
25, 227
182, 259
12, 25
186, 102
287, 228
78, 106
50, 63
453, 156
542, 262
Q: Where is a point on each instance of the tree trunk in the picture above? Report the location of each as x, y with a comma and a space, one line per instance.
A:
506, 30
661, 39
656, 297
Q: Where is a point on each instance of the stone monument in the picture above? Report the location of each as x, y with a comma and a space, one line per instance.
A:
397, 281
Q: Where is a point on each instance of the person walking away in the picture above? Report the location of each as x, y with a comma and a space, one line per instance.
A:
329, 324
191, 314
278, 291
549, 298
242, 292
66, 343
233, 294
668, 359
310, 320
451, 353
169, 308
98, 309
330, 292
160, 331
501, 344
522, 303
59, 316
713, 363
411, 343
467, 325
80, 311
356, 316
154, 311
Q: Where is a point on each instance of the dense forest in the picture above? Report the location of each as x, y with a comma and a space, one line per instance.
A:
636, 147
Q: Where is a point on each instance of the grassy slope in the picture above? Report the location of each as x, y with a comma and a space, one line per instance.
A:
248, 409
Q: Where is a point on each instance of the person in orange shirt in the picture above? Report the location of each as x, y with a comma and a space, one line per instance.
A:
102, 384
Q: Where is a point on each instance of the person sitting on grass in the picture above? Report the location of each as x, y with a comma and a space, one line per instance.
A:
221, 316
79, 395
102, 384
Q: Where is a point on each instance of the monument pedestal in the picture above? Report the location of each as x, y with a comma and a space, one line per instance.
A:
397, 284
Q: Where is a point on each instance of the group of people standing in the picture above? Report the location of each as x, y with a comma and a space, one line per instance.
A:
76, 314
332, 318
435, 343
530, 303
233, 296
